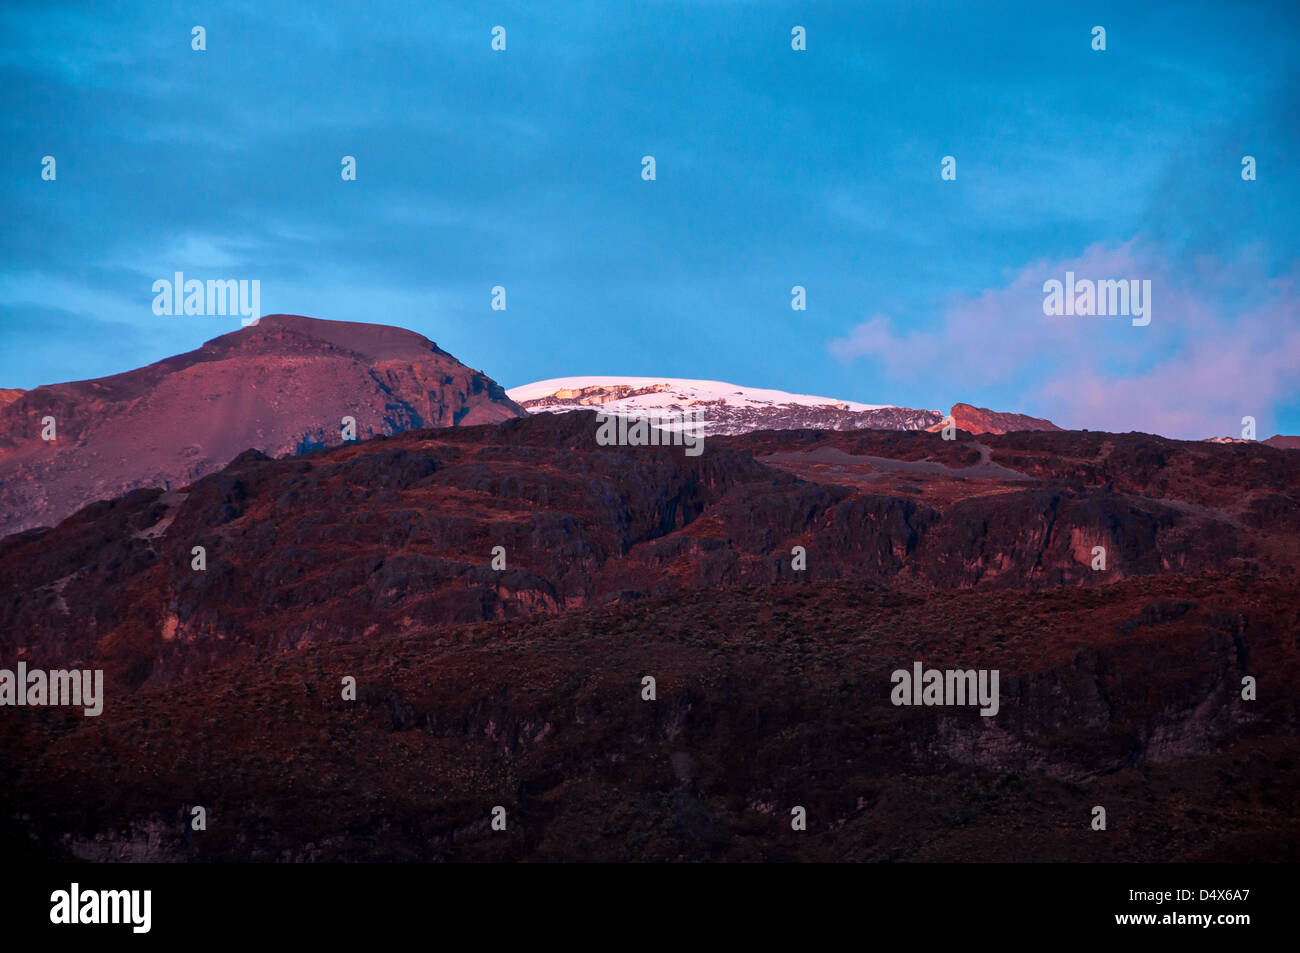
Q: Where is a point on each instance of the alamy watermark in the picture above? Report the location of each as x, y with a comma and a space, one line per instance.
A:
661, 428
949, 687
36, 688
76, 906
1127, 296
215, 297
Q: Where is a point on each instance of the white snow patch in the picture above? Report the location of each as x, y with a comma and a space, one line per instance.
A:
672, 392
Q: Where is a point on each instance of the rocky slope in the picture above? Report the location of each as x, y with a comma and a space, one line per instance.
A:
1124, 696
281, 386
520, 684
392, 535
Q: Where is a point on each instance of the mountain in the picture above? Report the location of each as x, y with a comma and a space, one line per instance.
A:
395, 534
281, 386
521, 684
733, 409
725, 408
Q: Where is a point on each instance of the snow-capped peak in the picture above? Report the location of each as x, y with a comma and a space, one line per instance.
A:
628, 394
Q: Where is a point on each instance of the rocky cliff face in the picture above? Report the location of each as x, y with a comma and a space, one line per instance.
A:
280, 387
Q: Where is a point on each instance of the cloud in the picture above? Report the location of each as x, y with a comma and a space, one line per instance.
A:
1230, 367
1223, 343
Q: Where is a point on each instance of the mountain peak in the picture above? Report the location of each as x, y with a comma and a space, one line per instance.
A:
282, 332
281, 386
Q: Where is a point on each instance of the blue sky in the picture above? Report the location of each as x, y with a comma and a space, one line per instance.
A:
775, 168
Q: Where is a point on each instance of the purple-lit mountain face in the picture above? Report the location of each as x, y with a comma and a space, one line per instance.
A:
282, 386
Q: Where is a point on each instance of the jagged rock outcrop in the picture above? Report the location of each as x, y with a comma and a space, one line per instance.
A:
981, 420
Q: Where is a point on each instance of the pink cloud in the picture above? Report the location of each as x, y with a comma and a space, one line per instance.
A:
1200, 366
